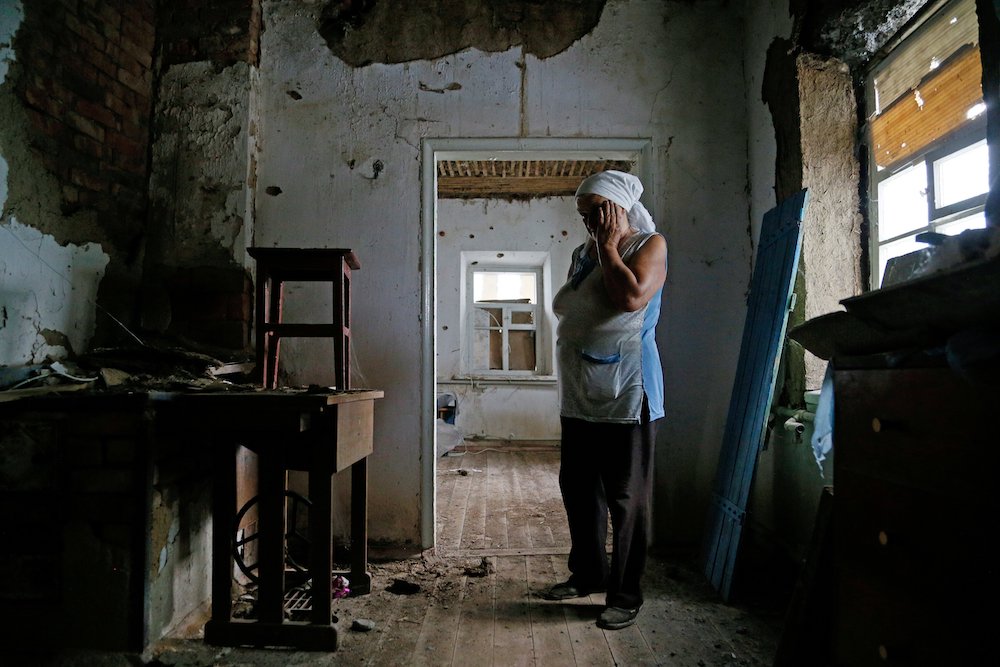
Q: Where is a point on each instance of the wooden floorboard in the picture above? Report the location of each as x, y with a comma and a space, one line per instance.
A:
512, 639
474, 639
549, 630
494, 499
502, 540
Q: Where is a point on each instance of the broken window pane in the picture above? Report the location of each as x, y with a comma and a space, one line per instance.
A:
522, 317
488, 318
522, 350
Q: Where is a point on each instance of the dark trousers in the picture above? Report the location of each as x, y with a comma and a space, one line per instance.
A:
607, 468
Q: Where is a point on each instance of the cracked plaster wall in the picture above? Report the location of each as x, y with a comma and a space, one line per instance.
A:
199, 184
648, 69
200, 193
48, 289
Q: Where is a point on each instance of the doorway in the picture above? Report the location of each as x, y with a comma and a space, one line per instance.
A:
498, 226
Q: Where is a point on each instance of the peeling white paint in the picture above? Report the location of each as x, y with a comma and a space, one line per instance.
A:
45, 287
198, 189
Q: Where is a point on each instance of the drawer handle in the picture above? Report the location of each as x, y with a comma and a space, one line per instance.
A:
877, 425
883, 538
883, 652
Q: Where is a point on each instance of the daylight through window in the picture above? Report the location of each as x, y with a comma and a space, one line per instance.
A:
927, 136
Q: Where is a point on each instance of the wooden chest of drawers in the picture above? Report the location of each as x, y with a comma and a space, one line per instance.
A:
915, 472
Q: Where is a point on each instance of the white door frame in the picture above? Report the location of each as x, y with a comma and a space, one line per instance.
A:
434, 150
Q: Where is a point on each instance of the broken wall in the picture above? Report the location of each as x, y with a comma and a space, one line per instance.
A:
75, 100
197, 281
659, 70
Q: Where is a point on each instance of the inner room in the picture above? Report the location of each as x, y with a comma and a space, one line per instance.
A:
287, 374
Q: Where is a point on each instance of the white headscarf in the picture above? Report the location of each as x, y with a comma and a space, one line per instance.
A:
624, 190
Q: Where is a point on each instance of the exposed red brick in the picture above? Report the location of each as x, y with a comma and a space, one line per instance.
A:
85, 125
86, 32
109, 16
134, 131
97, 112
86, 180
43, 101
130, 80
88, 146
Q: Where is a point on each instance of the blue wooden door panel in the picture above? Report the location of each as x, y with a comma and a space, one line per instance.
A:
753, 386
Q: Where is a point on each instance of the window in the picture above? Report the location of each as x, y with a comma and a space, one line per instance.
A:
504, 313
927, 136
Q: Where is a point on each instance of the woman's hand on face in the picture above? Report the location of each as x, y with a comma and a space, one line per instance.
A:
611, 224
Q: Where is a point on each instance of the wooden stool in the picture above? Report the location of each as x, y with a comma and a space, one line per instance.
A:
275, 266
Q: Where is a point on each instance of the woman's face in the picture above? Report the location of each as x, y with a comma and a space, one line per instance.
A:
587, 206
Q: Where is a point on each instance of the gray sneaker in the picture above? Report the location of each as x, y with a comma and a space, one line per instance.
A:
568, 590
616, 618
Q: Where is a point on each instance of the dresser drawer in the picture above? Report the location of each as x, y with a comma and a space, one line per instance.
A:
911, 538
877, 624
924, 428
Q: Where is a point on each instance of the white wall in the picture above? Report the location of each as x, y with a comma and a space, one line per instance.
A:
501, 409
766, 20
667, 71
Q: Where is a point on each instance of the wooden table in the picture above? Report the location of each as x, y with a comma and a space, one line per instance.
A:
320, 433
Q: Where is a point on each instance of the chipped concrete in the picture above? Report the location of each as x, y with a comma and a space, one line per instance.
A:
397, 31
198, 187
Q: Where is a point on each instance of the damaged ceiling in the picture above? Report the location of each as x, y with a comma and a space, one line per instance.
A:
517, 179
362, 32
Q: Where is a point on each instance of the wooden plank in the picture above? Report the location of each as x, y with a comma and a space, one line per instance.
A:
451, 536
536, 494
399, 620
474, 524
512, 638
518, 535
549, 632
495, 521
476, 620
590, 647
764, 330
474, 186
553, 505
435, 644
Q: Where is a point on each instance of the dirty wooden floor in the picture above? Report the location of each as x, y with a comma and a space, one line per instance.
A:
503, 527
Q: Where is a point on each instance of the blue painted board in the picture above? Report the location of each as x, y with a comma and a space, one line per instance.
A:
763, 335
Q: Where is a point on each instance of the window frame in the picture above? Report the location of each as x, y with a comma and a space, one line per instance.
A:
506, 326
968, 134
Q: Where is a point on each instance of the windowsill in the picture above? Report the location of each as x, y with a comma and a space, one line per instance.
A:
499, 379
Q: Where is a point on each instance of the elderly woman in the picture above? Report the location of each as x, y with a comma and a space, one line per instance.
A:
611, 392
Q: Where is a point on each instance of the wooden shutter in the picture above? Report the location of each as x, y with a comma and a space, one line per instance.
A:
763, 333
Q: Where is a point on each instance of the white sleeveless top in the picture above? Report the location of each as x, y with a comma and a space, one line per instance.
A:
599, 348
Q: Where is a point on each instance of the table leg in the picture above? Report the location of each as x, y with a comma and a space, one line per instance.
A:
321, 545
271, 545
361, 581
223, 514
